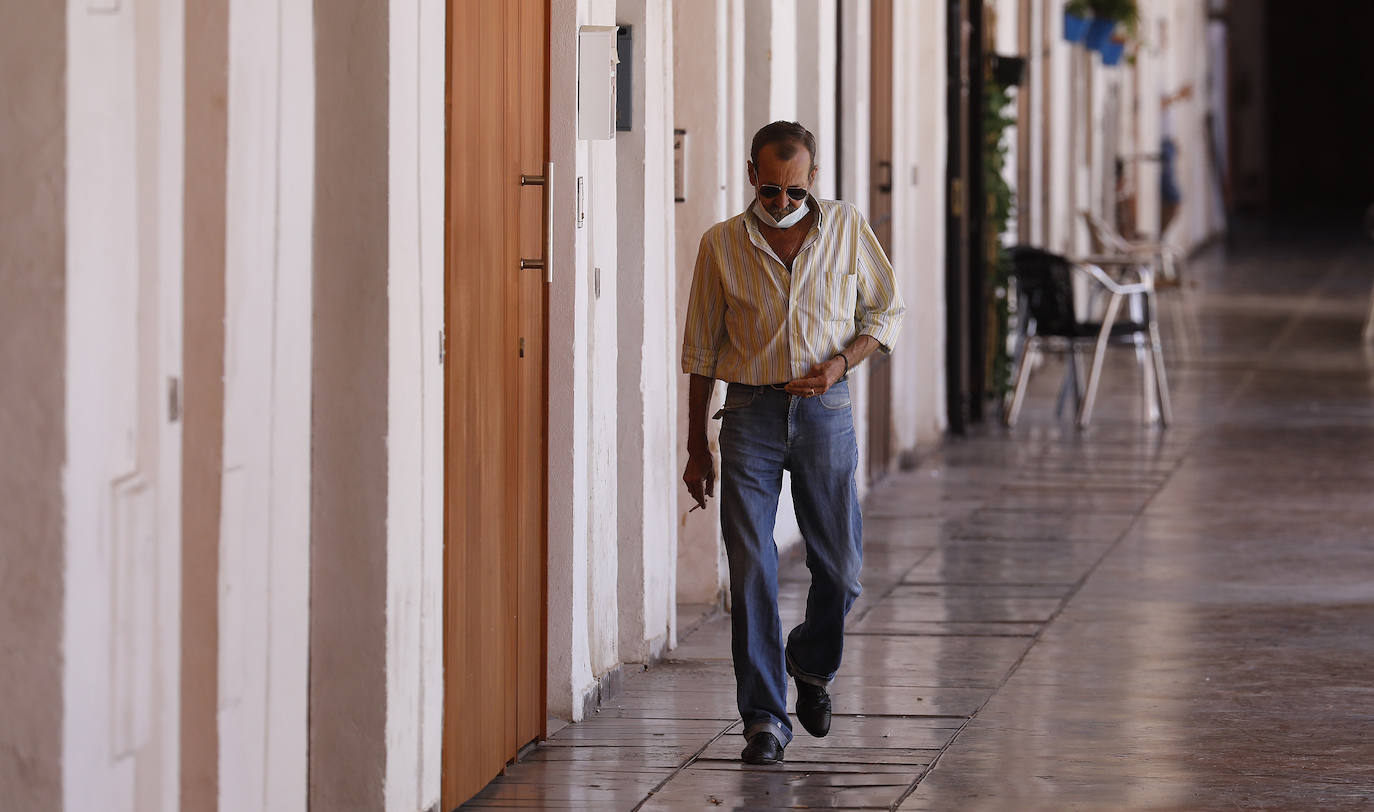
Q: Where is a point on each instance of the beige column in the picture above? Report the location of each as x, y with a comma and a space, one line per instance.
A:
349, 465
33, 58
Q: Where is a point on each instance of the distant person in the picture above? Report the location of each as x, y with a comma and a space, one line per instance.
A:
787, 298
1170, 195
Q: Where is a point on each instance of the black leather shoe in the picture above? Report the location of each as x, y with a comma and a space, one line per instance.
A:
763, 748
813, 708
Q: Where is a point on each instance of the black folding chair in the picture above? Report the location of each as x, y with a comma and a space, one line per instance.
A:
1044, 283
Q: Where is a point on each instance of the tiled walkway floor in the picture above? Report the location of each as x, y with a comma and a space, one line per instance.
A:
1123, 618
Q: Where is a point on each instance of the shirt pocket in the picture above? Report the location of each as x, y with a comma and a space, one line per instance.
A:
842, 296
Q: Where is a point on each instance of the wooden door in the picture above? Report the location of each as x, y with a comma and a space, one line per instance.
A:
496, 382
880, 214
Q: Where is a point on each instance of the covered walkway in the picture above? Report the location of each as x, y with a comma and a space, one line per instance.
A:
1123, 618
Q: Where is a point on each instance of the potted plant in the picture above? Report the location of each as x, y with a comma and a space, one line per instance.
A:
1113, 51
1076, 15
1107, 17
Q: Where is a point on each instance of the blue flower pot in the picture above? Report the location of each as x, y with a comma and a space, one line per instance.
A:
1074, 27
1113, 51
1099, 32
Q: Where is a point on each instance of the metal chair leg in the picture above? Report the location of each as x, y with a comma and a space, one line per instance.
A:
1085, 411
1018, 394
1076, 372
1070, 383
1166, 406
1144, 358
1369, 320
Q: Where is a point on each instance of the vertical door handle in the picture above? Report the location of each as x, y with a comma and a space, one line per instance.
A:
545, 262
886, 186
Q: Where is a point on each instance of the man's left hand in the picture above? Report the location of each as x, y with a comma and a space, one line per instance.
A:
821, 377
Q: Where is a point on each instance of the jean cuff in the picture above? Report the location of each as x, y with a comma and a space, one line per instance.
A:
802, 676
783, 735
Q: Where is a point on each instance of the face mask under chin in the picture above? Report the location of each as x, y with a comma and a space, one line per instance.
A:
788, 220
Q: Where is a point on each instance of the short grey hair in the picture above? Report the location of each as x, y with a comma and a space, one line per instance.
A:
784, 137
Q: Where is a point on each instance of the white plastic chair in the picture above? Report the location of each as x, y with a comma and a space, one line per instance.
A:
1053, 324
1163, 258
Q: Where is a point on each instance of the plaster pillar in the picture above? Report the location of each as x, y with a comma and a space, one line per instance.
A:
33, 345
647, 365
701, 108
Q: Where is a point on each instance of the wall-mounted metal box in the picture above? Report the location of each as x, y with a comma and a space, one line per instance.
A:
596, 69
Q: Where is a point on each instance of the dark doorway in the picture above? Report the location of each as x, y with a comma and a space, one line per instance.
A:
965, 267
1320, 72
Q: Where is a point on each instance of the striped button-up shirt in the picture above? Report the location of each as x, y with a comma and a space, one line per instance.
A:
751, 321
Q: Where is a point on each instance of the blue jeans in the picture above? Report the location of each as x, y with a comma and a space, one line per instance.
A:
764, 432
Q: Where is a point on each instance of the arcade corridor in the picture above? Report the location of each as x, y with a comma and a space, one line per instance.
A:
1123, 618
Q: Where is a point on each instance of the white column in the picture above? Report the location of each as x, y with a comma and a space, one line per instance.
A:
124, 136
1062, 130
1150, 65
415, 407
601, 283
568, 669
919, 155
703, 107
583, 510
852, 158
769, 43
647, 372
265, 521
1036, 65
816, 84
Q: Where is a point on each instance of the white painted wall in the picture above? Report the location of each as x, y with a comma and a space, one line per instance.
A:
415, 405
1099, 112
1149, 89
121, 624
1064, 67
1190, 62
768, 44
265, 522
647, 364
569, 669
853, 160
702, 106
918, 220
598, 265
1006, 42
817, 85
1036, 66
583, 510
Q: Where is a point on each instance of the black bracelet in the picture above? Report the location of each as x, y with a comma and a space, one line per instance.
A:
846, 362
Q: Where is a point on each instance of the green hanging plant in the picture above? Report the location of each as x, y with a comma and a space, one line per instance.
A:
1125, 13
996, 120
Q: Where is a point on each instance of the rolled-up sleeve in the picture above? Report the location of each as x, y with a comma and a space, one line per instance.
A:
704, 334
880, 305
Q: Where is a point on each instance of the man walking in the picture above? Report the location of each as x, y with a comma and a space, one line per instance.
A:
786, 299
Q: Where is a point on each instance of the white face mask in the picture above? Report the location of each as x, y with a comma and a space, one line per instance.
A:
786, 222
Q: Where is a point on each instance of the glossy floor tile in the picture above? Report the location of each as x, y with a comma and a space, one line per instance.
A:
1125, 617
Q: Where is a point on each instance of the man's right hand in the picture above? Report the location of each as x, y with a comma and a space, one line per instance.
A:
700, 476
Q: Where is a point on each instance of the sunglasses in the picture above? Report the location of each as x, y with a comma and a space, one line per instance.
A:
768, 191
